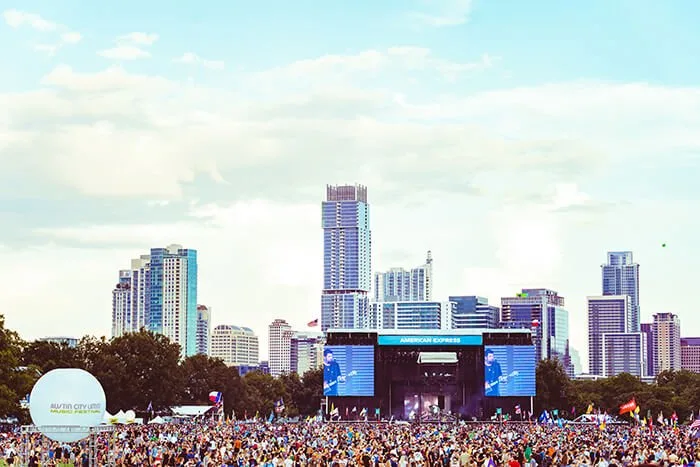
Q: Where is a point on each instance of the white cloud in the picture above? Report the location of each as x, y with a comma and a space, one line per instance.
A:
124, 52
444, 13
332, 69
16, 19
138, 38
112, 79
130, 46
71, 37
495, 181
189, 58
48, 49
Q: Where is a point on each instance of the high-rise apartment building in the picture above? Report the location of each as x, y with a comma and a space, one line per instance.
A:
203, 346
236, 346
306, 352
690, 354
542, 311
624, 353
400, 285
347, 248
122, 313
621, 277
173, 296
647, 330
607, 314
472, 312
408, 315
666, 330
159, 293
280, 339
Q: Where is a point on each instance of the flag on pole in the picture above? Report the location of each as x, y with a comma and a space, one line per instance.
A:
590, 409
215, 397
628, 407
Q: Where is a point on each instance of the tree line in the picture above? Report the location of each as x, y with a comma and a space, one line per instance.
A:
673, 391
141, 369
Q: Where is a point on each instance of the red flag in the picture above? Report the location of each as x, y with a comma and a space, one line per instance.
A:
628, 407
313, 324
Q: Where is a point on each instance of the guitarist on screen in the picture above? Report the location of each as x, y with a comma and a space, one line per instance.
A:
331, 374
492, 374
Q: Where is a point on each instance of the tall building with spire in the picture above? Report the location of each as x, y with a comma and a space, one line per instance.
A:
401, 285
621, 277
347, 252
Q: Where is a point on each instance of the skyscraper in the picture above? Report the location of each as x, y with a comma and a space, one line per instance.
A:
121, 305
621, 277
203, 330
666, 330
690, 354
408, 315
306, 352
173, 296
159, 293
472, 312
400, 285
346, 256
280, 338
648, 330
130, 297
606, 315
541, 310
624, 352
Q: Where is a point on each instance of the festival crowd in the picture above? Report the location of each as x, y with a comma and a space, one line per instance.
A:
363, 444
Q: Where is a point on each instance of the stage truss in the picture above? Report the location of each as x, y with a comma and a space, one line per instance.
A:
94, 432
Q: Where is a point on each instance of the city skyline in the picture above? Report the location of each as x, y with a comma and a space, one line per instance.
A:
519, 146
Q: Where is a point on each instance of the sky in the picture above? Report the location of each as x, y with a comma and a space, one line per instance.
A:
519, 141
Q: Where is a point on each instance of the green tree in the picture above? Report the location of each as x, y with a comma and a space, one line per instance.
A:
137, 369
262, 392
553, 386
16, 380
309, 402
293, 393
48, 356
202, 374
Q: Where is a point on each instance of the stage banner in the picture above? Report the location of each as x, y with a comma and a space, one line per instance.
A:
430, 340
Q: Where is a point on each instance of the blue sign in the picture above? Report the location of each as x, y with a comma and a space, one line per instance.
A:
430, 340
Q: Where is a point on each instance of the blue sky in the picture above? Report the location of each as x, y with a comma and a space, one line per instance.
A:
518, 140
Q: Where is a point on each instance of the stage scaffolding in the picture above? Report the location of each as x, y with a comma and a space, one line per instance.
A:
94, 432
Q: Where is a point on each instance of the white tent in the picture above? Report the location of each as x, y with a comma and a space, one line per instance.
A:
121, 417
191, 410
157, 421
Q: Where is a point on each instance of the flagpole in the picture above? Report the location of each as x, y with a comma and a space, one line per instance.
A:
532, 405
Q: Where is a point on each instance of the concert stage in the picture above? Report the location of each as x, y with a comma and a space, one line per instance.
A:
421, 375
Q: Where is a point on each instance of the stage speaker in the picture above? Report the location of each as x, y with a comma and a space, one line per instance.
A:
441, 402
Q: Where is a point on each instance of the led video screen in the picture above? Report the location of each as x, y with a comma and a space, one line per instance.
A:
509, 370
348, 370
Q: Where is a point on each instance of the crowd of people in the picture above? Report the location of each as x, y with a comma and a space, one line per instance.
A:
367, 444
